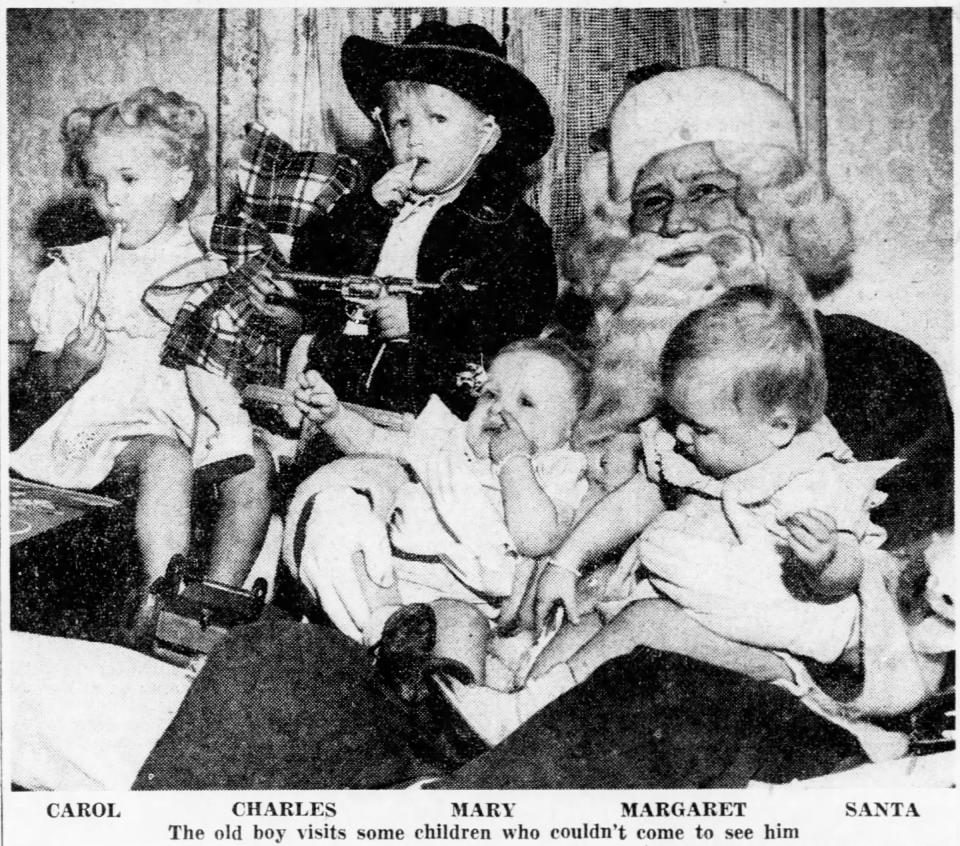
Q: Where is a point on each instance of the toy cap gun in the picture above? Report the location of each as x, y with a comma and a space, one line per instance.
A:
356, 292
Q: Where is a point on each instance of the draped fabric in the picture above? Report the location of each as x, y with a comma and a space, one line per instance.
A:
282, 67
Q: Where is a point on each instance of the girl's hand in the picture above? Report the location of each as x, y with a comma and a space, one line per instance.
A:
813, 538
509, 439
83, 353
315, 398
557, 586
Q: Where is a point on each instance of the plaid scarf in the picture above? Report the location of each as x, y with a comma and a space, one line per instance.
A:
279, 190
218, 327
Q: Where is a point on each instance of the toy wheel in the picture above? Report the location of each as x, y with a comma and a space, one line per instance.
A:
260, 588
168, 585
177, 568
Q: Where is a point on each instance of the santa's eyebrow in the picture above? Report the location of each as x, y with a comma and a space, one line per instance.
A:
696, 176
710, 174
656, 186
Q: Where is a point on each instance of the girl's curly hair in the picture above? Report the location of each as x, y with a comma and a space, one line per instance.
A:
179, 123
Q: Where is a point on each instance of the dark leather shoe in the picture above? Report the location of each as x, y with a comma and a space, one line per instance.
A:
404, 656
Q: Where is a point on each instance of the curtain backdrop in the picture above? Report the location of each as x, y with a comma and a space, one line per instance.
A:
282, 66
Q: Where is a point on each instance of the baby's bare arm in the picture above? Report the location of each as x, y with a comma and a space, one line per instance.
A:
830, 559
352, 433
617, 518
534, 522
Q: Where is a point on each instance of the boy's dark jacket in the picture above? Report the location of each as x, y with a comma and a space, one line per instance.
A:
487, 237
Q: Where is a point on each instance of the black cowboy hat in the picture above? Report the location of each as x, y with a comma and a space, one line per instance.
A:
465, 59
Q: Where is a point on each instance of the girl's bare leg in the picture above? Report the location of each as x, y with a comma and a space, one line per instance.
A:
164, 490
649, 622
242, 520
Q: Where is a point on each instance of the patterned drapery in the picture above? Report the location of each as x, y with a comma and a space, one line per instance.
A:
281, 66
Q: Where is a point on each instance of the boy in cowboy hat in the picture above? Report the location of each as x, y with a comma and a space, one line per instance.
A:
460, 124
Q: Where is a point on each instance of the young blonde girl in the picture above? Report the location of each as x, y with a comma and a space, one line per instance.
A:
143, 162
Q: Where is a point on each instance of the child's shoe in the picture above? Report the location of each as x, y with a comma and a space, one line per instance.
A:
404, 655
138, 620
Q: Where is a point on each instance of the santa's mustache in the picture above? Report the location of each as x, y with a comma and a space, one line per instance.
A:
651, 268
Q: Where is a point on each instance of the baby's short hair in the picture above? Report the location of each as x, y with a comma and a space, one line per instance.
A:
182, 125
773, 351
576, 367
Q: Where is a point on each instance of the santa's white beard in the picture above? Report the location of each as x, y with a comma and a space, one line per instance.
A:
640, 301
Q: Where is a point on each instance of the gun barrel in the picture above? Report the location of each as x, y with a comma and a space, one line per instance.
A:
356, 285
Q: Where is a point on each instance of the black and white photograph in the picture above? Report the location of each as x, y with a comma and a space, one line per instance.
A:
506, 399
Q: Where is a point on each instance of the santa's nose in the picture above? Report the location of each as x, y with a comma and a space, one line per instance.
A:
678, 221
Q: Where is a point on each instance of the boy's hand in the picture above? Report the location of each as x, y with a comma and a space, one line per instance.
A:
509, 439
813, 538
315, 398
393, 188
391, 317
263, 285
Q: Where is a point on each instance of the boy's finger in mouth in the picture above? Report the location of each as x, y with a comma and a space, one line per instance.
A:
409, 168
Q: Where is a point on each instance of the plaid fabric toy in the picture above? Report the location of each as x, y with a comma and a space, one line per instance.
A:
218, 328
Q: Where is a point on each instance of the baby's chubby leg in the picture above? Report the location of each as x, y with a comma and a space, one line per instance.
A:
463, 634
660, 624
568, 640
656, 623
223, 441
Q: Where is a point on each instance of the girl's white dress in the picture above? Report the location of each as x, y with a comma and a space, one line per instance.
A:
129, 296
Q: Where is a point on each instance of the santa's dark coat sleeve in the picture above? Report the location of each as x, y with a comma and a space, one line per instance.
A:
887, 398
